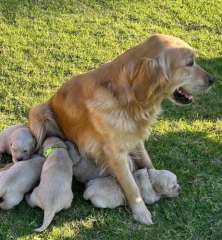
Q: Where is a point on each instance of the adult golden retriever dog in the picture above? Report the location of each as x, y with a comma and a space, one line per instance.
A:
108, 111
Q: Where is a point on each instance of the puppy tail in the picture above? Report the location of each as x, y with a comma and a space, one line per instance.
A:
48, 217
42, 123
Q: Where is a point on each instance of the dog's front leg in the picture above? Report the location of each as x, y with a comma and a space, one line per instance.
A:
141, 156
117, 161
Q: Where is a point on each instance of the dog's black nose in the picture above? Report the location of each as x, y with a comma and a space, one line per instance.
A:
19, 159
211, 80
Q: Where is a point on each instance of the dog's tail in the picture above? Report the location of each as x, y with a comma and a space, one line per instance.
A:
42, 123
48, 217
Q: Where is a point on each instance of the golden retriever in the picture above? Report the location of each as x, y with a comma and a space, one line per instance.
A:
108, 111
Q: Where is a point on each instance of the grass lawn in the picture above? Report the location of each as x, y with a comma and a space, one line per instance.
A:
42, 42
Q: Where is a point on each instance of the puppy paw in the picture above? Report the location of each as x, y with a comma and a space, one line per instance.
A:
142, 215
28, 200
151, 199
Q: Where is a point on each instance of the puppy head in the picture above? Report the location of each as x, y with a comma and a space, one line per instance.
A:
22, 144
164, 182
53, 142
169, 71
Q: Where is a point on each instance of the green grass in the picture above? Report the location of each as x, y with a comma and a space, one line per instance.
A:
43, 42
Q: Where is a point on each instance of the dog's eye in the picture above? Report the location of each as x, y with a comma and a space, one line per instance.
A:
25, 151
191, 63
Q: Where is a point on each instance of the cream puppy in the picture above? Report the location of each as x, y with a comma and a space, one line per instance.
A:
105, 192
19, 179
84, 169
17, 141
54, 192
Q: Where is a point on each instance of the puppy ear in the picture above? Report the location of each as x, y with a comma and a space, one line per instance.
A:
147, 76
73, 152
154, 179
157, 187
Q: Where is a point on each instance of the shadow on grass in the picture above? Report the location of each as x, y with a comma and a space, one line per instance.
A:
192, 156
186, 152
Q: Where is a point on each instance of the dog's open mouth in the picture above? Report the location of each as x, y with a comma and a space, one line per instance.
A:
182, 97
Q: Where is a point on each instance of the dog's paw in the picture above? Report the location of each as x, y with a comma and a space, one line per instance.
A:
142, 215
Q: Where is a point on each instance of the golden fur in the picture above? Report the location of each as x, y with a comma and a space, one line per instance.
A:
107, 112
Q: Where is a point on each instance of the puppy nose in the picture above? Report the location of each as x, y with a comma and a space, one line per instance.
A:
211, 80
19, 159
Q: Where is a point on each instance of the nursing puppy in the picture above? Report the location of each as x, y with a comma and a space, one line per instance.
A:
54, 192
19, 179
106, 192
17, 141
85, 169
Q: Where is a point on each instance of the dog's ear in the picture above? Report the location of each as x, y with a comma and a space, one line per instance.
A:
146, 76
164, 64
120, 88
